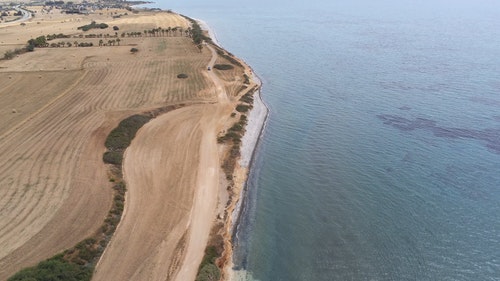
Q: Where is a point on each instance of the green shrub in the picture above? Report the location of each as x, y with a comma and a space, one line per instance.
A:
182, 76
236, 127
242, 108
247, 79
113, 157
223, 66
209, 272
54, 269
248, 98
9, 55
93, 24
120, 138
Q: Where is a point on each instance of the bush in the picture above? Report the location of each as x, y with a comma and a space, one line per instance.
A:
208, 273
236, 127
248, 98
121, 136
223, 66
242, 108
182, 76
113, 157
134, 50
9, 55
54, 269
93, 24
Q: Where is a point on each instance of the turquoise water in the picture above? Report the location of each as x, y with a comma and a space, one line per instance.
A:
381, 156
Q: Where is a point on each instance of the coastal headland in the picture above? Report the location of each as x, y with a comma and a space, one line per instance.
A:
154, 209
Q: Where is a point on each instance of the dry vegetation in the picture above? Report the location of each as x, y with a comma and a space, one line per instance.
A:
59, 105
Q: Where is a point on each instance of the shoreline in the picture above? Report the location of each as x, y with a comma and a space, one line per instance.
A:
254, 130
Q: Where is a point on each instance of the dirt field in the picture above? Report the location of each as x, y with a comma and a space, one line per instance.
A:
59, 104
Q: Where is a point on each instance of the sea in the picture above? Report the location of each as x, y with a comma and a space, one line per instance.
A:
380, 159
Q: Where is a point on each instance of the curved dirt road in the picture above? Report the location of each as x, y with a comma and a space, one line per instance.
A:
172, 173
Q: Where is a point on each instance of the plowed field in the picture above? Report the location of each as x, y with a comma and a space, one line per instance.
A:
57, 107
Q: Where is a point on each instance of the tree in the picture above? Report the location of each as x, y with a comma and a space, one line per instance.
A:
134, 50
118, 41
101, 42
40, 41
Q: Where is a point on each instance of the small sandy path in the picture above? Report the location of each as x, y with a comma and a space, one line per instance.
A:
172, 174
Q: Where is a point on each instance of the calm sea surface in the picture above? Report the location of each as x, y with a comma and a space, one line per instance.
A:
381, 157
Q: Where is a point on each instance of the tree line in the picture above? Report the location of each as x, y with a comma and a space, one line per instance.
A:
160, 32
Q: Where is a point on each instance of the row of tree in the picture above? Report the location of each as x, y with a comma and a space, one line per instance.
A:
170, 31
69, 44
56, 36
160, 32
107, 35
110, 42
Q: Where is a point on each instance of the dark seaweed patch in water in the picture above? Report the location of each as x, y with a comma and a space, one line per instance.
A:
485, 101
491, 137
405, 124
